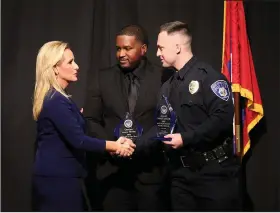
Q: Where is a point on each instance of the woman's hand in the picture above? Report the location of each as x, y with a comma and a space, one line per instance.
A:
125, 147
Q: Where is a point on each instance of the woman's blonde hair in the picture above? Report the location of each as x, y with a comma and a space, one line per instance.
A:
50, 55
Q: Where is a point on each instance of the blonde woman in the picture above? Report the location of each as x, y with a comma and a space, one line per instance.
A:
59, 166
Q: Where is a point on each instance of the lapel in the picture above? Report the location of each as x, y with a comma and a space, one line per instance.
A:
78, 112
74, 107
146, 84
120, 92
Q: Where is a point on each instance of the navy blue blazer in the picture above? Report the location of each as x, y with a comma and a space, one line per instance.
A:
61, 140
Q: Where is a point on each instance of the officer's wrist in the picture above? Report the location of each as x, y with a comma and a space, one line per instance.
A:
187, 137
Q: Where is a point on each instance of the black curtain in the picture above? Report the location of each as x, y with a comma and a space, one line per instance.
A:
90, 27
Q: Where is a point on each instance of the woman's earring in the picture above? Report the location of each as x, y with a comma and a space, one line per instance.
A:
56, 72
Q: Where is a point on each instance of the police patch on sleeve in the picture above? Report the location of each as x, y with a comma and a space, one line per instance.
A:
220, 88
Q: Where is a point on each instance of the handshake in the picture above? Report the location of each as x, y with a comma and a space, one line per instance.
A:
125, 147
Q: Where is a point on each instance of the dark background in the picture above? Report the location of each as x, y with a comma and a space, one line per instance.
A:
90, 27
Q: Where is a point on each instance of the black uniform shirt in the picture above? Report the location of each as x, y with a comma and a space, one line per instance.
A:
202, 100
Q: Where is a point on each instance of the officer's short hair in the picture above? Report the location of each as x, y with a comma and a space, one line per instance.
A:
176, 27
135, 30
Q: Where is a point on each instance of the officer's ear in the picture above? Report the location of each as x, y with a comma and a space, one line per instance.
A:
178, 49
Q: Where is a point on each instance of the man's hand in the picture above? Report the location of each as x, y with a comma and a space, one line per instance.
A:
126, 147
176, 140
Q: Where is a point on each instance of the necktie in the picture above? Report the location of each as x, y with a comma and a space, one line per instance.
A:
132, 92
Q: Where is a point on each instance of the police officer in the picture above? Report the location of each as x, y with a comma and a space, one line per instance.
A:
203, 169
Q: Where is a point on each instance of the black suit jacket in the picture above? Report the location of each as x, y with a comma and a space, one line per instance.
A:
106, 105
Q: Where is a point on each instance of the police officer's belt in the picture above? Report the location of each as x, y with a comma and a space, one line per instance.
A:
196, 160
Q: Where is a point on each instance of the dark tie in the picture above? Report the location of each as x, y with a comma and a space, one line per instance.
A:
132, 91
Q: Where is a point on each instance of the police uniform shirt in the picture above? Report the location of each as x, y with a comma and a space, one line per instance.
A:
202, 100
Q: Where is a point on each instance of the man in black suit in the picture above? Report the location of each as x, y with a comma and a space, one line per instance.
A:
132, 85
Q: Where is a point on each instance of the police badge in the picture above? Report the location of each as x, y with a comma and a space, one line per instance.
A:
193, 87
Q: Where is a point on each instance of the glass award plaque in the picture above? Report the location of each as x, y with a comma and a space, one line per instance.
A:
165, 119
128, 128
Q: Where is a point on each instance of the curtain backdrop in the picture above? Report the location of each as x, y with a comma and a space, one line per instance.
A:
90, 27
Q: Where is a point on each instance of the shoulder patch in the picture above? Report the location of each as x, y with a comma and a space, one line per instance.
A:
220, 88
